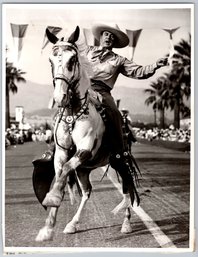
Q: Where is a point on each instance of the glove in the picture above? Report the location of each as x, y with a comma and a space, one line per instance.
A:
162, 62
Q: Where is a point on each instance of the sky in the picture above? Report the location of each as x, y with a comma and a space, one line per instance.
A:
153, 42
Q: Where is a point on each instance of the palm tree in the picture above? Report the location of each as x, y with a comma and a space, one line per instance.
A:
185, 111
159, 98
152, 99
180, 79
13, 75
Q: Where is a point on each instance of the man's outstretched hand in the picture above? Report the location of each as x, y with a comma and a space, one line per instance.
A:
162, 62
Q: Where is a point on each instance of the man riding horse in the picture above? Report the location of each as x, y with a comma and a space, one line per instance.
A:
107, 65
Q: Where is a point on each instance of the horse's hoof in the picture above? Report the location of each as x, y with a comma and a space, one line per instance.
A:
52, 200
45, 234
126, 227
69, 229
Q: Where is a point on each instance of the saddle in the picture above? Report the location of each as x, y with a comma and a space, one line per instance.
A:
43, 173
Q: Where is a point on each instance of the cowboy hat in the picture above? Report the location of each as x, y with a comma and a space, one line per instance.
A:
121, 40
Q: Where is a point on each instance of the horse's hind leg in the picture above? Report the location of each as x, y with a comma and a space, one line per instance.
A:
123, 205
71, 181
85, 185
46, 233
126, 225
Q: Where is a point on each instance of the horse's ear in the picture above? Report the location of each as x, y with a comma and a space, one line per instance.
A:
52, 38
74, 36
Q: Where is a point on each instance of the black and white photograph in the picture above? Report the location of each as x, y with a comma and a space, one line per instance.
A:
98, 121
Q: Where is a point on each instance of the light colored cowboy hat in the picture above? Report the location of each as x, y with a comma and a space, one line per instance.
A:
121, 40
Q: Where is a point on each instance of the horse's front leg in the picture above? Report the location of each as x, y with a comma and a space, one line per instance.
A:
55, 196
46, 233
85, 185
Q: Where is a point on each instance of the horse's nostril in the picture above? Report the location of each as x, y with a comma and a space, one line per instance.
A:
58, 98
63, 98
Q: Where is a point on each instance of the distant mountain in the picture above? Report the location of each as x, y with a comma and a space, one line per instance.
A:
35, 98
31, 96
132, 99
42, 113
50, 113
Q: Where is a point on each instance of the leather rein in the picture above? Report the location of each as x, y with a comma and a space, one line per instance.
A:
72, 83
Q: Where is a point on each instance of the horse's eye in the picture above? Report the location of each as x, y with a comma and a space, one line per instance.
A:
71, 62
64, 48
55, 52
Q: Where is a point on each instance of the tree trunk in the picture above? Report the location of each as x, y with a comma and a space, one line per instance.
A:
162, 118
155, 118
177, 110
7, 107
177, 116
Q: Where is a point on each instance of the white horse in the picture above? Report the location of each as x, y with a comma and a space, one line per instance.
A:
79, 134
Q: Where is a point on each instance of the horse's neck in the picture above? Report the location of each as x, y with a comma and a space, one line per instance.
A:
84, 84
86, 73
79, 98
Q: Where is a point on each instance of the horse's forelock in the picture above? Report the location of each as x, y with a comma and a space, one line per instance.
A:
84, 62
63, 42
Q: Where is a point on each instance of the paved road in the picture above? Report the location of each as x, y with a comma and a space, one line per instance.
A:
161, 221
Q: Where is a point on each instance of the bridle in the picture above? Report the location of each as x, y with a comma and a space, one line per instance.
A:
72, 84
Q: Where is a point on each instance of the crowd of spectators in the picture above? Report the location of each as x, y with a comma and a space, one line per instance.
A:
14, 135
41, 134
168, 134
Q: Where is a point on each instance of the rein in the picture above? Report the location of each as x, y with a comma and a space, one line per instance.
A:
72, 83
70, 119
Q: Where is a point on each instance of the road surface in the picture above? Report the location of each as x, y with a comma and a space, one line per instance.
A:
161, 221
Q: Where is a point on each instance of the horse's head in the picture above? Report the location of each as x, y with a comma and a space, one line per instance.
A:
65, 66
